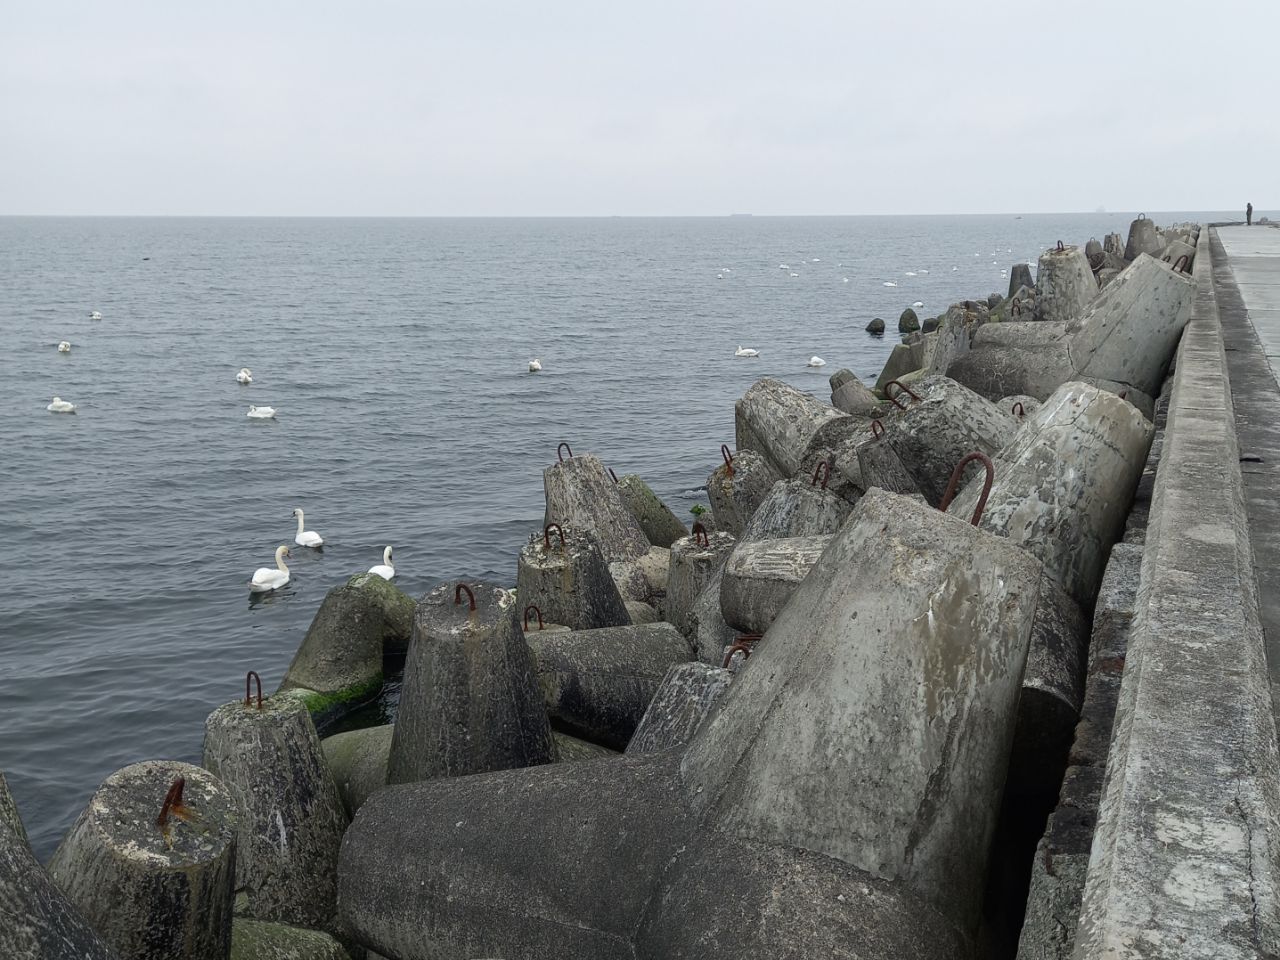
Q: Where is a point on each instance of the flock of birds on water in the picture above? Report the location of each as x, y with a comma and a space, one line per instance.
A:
266, 579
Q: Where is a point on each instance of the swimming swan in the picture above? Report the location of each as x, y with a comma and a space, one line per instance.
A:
61, 406
384, 569
816, 361
244, 376
306, 538
268, 578
64, 346
261, 413
748, 352
94, 315
535, 365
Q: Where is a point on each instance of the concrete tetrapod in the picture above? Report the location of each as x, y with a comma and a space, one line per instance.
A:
780, 423
851, 395
679, 708
581, 494
660, 525
263, 940
737, 487
562, 573
470, 701
880, 466
1143, 238
860, 758
692, 562
9, 818
761, 575
358, 761
1020, 276
151, 861
1065, 283
1063, 486
597, 684
289, 812
799, 507
710, 634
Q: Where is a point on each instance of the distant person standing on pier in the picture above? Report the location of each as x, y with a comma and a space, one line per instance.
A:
1248, 214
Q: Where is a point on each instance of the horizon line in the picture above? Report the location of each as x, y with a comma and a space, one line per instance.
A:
584, 216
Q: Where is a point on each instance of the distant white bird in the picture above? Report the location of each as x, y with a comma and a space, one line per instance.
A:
719, 276
271, 578
816, 361
795, 274
384, 569
784, 266
61, 406
910, 273
954, 269
918, 303
94, 315
922, 271
261, 413
305, 538
844, 279
745, 352
535, 365
244, 376
816, 260
888, 283
64, 346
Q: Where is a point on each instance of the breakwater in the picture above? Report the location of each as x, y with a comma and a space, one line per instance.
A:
847, 697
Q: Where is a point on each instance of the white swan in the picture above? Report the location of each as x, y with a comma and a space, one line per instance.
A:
844, 279
61, 406
94, 315
384, 569
244, 376
261, 413
271, 578
745, 352
816, 361
784, 266
795, 274
918, 303
535, 365
888, 283
306, 538
719, 276
64, 346
922, 271
911, 273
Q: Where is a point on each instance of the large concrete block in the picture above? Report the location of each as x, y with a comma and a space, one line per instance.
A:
660, 525
736, 489
1143, 238
780, 423
799, 507
358, 761
905, 358
470, 701
693, 560
563, 574
1065, 284
580, 493
710, 633
851, 395
880, 466
761, 575
680, 706
9, 817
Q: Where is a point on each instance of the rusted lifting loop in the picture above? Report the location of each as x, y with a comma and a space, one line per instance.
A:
1183, 265
611, 473
728, 654
526, 616
700, 537
251, 675
903, 389
1061, 247
1142, 216
457, 595
1016, 308
172, 803
955, 482
823, 468
1018, 410
546, 538
728, 458
563, 446
1096, 261
877, 429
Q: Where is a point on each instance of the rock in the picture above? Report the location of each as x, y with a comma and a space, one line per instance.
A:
678, 709
736, 492
154, 892
761, 576
563, 575
358, 761
876, 327
1019, 277
659, 524
597, 684
1142, 239
470, 701
581, 494
851, 395
908, 321
1065, 284
693, 561
289, 815
261, 940
341, 655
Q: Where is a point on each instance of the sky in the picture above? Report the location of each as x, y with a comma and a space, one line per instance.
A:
382, 108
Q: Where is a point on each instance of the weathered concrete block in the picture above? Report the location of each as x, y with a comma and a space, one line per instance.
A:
1143, 238
851, 395
597, 684
880, 466
760, 577
358, 761
581, 494
779, 422
1174, 252
799, 507
289, 815
1032, 359
9, 817
710, 633
693, 560
643, 579
1019, 276
1064, 283
641, 613
574, 750
563, 574
1113, 244
735, 492
261, 940
678, 709
660, 525
1010, 404
470, 701
905, 358
153, 892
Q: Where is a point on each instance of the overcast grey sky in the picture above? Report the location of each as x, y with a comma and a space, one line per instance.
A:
595, 108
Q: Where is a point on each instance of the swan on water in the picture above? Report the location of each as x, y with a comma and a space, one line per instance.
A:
719, 276
306, 538
816, 361
745, 352
535, 365
261, 413
244, 376
922, 271
918, 303
784, 266
64, 346
384, 569
61, 406
271, 578
795, 274
94, 315
816, 260
888, 283
911, 273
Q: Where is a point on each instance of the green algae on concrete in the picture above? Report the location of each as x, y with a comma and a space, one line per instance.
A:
261, 940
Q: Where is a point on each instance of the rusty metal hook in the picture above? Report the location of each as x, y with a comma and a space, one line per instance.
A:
1183, 261
1061, 247
172, 801
564, 446
534, 608
1016, 308
1018, 409
457, 595
546, 536
728, 654
901, 387
700, 537
955, 482
824, 468
728, 458
877, 429
251, 675
612, 474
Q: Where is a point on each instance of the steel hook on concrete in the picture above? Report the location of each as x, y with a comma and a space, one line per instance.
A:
546, 535
955, 482
728, 458
457, 595
728, 654
1183, 265
823, 468
1062, 247
563, 446
700, 537
612, 474
535, 609
902, 389
1018, 410
252, 676
172, 802
877, 429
